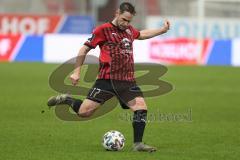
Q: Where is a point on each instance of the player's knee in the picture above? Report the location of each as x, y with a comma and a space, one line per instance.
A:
138, 104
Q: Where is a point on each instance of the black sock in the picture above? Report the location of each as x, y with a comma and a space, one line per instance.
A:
74, 103
138, 123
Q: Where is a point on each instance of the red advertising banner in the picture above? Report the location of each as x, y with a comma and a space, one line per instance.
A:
28, 24
179, 51
7, 46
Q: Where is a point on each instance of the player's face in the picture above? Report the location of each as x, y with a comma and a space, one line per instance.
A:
123, 20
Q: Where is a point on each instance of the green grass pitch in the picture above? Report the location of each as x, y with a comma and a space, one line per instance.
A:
30, 131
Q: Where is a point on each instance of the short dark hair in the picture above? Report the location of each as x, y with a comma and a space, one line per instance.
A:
127, 7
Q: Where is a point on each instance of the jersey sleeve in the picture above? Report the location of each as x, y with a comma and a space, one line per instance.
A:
96, 39
136, 33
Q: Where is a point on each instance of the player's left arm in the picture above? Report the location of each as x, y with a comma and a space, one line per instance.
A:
149, 33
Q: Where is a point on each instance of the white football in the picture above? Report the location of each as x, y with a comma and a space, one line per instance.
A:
113, 141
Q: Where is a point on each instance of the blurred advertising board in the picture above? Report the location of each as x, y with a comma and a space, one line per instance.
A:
180, 51
213, 28
21, 48
41, 24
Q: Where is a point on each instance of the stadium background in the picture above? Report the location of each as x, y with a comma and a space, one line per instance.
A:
201, 51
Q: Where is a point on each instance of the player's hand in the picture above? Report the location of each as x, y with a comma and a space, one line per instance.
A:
166, 26
74, 78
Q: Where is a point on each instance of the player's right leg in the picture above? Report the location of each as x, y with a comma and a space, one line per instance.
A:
100, 93
83, 108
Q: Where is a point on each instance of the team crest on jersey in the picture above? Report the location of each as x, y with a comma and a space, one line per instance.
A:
126, 46
128, 31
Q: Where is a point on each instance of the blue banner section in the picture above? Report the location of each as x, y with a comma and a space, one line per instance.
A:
31, 49
78, 24
220, 53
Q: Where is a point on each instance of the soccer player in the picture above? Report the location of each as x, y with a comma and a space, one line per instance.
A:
116, 71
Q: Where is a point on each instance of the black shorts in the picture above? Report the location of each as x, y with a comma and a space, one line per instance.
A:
105, 89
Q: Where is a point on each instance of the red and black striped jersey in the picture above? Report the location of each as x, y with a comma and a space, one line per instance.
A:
116, 51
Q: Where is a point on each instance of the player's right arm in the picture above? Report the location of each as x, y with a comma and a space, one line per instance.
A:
79, 61
96, 39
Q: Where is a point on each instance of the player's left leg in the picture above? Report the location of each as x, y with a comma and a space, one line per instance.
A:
131, 97
139, 107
